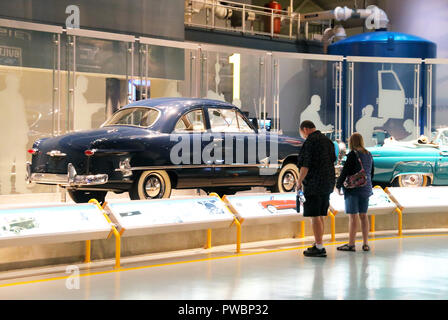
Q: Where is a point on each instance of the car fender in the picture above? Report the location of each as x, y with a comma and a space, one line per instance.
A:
411, 167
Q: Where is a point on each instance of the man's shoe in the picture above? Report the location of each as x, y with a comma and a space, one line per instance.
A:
315, 252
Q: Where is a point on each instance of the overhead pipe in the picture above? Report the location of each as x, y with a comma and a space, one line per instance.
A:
378, 18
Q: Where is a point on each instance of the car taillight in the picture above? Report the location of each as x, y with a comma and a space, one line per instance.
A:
32, 151
89, 152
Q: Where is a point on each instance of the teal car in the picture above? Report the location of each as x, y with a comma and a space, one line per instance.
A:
412, 164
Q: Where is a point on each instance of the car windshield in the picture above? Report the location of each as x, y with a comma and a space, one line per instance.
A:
140, 117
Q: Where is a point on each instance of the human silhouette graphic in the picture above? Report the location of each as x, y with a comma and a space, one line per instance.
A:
311, 113
366, 124
409, 126
83, 111
14, 131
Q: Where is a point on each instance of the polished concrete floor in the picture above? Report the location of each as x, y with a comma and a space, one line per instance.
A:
412, 267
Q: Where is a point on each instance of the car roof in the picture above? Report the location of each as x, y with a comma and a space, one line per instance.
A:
182, 104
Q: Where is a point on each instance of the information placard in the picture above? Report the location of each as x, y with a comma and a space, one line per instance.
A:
51, 224
379, 203
265, 208
421, 199
169, 215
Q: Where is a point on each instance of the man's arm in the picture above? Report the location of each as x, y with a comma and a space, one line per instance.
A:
302, 174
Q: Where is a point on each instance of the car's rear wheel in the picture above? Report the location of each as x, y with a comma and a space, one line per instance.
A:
83, 196
287, 179
153, 184
413, 180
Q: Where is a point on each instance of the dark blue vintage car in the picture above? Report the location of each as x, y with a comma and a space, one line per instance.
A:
149, 147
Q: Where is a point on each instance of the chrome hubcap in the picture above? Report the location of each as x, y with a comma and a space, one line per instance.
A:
412, 180
154, 187
289, 181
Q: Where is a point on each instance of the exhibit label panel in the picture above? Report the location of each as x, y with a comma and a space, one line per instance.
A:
263, 208
165, 215
421, 200
23, 226
379, 203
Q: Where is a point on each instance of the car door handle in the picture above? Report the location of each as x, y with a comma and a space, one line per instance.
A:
219, 161
218, 140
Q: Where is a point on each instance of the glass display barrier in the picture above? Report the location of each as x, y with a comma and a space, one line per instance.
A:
437, 100
51, 224
265, 208
421, 200
237, 76
30, 83
307, 87
166, 215
379, 203
383, 99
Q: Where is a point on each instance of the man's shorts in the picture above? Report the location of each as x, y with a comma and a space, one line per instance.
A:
316, 205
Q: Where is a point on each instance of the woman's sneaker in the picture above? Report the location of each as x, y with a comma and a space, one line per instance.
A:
315, 252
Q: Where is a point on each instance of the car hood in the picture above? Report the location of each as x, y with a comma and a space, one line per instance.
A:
404, 149
102, 138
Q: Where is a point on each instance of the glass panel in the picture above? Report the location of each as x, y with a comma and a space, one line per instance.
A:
244, 127
437, 96
385, 102
222, 120
239, 79
306, 92
162, 72
27, 101
140, 117
192, 121
99, 80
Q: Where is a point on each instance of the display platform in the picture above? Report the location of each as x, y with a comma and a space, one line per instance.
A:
144, 217
265, 208
21, 226
379, 203
420, 200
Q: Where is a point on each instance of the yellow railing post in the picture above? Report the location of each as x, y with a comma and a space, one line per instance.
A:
302, 229
114, 231
333, 225
238, 235
209, 239
400, 221
88, 251
372, 223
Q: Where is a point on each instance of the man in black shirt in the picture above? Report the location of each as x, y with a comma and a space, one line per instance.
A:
317, 175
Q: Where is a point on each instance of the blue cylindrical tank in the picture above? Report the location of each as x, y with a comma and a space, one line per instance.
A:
384, 92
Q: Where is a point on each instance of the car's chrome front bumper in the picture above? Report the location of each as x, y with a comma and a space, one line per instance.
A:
69, 179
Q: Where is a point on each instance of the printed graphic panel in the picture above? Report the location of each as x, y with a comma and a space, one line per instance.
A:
176, 214
266, 207
379, 203
421, 200
55, 223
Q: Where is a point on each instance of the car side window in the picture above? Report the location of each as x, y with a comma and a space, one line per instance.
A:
243, 125
223, 120
192, 121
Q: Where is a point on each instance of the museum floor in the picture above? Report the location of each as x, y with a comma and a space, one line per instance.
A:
408, 267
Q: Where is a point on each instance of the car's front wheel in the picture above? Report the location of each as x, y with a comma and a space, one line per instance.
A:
83, 196
287, 179
413, 180
152, 184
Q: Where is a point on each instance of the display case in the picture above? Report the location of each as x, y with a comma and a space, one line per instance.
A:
21, 226
144, 217
379, 203
265, 208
